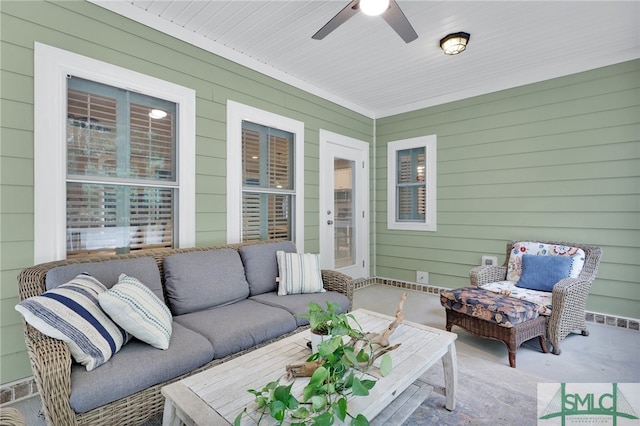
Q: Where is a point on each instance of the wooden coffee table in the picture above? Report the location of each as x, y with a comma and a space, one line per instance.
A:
216, 396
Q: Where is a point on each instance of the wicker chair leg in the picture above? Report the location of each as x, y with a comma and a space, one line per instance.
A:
543, 344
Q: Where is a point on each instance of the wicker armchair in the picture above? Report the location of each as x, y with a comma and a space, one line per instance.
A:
569, 296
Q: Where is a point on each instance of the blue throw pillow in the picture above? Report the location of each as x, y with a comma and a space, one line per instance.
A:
543, 272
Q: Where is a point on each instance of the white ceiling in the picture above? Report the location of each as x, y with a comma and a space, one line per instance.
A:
365, 66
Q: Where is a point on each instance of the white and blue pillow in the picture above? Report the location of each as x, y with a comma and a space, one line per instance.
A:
71, 313
134, 307
299, 273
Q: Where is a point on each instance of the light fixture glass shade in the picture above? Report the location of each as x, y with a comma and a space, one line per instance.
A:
455, 43
373, 7
157, 113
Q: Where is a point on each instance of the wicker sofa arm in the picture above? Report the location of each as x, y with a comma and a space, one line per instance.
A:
51, 364
337, 281
50, 358
487, 274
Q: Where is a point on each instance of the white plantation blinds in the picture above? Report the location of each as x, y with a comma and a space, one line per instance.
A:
411, 184
267, 183
121, 169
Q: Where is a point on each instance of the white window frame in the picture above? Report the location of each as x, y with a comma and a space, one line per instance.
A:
430, 221
236, 113
51, 68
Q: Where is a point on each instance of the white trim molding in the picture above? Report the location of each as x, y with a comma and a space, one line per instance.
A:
236, 114
334, 145
51, 68
430, 221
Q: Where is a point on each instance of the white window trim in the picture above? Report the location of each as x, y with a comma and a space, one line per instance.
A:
51, 67
236, 113
430, 221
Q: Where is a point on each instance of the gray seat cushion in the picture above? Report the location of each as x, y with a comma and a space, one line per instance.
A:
261, 265
203, 279
137, 366
241, 325
144, 269
297, 304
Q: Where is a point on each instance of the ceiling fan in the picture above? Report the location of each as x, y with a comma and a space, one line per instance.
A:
391, 13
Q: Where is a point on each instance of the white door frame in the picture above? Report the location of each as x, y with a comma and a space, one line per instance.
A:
333, 145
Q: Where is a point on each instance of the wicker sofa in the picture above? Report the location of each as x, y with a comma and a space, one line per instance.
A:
564, 307
119, 392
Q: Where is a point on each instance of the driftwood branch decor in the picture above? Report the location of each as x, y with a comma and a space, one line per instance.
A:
379, 343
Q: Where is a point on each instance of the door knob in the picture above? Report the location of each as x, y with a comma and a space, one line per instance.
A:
329, 222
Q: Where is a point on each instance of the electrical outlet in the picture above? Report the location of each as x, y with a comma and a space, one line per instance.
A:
422, 277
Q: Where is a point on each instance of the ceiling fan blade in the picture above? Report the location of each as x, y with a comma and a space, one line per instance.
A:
342, 16
399, 22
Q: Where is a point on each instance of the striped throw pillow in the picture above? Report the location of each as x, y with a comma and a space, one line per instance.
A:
134, 307
299, 273
71, 313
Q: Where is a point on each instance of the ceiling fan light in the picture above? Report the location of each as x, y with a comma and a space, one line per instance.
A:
373, 7
455, 43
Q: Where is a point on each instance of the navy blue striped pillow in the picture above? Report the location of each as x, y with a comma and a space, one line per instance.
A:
71, 313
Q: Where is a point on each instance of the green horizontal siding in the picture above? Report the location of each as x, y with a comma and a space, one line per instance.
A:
89, 30
555, 160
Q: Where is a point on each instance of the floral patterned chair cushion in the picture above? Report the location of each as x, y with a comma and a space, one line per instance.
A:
542, 299
489, 306
514, 267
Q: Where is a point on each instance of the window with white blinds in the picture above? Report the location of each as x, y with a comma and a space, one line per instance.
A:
121, 169
267, 182
412, 184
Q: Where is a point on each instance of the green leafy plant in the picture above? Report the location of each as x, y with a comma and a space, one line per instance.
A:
342, 359
327, 321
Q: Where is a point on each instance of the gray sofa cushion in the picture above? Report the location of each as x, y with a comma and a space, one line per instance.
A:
297, 304
241, 325
261, 265
138, 366
145, 269
202, 279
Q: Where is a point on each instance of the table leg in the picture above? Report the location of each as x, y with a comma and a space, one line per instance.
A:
169, 416
450, 364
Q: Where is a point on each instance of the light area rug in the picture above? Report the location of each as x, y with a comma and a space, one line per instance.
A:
487, 393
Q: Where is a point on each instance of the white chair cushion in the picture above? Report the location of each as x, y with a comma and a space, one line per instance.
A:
507, 288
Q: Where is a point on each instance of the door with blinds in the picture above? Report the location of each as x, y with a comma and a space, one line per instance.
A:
344, 201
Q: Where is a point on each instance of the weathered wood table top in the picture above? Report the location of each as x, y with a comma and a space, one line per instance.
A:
216, 396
